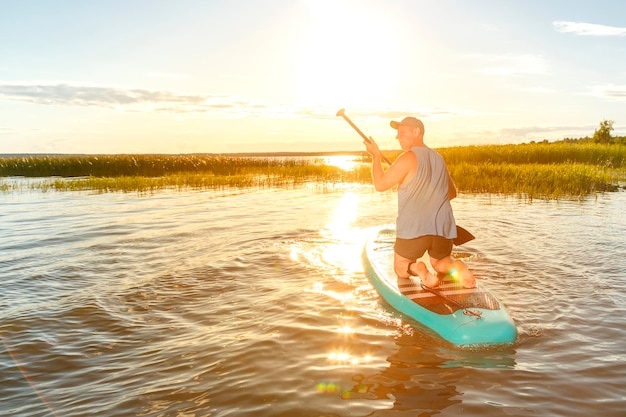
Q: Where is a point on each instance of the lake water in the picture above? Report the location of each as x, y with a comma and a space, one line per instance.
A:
254, 303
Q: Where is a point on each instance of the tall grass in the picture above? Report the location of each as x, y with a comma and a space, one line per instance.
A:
140, 165
550, 171
612, 156
553, 181
148, 173
538, 170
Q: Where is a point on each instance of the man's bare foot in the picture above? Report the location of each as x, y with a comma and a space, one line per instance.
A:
463, 275
468, 280
426, 277
430, 280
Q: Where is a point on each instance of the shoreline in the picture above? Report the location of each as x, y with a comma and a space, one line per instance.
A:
199, 154
545, 171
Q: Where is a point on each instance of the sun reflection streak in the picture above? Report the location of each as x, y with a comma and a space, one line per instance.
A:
340, 247
347, 163
346, 330
345, 253
343, 297
340, 357
344, 215
294, 254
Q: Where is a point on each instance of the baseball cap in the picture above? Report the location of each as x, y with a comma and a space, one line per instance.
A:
408, 121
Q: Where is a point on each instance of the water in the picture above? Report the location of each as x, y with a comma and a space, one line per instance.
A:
254, 303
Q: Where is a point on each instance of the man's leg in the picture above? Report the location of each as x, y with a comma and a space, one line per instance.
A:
405, 267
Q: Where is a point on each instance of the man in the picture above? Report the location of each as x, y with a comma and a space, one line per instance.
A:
425, 220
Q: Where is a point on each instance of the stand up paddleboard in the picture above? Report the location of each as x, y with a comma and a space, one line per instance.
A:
461, 316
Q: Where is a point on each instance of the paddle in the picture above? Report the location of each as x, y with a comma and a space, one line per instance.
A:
466, 310
462, 235
342, 113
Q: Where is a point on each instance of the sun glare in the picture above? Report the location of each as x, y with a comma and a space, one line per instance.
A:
344, 215
345, 250
346, 55
347, 163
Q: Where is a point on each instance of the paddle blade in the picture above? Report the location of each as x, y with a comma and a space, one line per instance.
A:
462, 236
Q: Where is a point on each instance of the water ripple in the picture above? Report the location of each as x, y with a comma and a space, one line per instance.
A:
255, 303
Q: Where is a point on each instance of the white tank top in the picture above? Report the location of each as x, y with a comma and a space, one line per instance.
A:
423, 205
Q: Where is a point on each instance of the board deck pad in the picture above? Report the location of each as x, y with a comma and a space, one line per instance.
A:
463, 316
412, 289
465, 297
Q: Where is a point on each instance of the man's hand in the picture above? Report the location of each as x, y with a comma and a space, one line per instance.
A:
372, 148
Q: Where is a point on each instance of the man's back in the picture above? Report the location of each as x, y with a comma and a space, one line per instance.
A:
423, 204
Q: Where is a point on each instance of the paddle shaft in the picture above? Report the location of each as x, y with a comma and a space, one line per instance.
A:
466, 310
368, 140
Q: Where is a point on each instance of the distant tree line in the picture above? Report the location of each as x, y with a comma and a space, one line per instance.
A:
602, 135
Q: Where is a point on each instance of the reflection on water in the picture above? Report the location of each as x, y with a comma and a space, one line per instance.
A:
255, 304
412, 378
408, 382
347, 163
345, 250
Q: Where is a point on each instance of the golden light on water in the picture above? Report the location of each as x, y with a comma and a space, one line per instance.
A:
345, 162
345, 252
346, 330
342, 297
337, 256
339, 356
294, 254
341, 244
344, 215
345, 358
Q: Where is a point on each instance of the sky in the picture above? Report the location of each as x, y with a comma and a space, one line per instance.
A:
229, 76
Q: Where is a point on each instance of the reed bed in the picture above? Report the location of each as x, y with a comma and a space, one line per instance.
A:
611, 156
536, 181
545, 171
149, 173
141, 165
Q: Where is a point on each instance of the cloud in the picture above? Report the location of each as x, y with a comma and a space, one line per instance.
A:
615, 92
537, 131
160, 101
524, 64
138, 100
588, 29
523, 134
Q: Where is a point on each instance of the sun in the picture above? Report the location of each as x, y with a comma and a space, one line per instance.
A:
346, 56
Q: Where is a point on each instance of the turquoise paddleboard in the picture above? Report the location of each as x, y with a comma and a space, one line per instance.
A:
462, 316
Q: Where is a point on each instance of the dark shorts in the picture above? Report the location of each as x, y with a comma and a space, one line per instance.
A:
438, 247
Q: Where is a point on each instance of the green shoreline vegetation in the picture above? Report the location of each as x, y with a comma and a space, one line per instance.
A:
568, 169
546, 171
